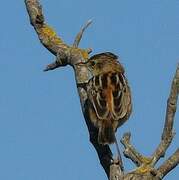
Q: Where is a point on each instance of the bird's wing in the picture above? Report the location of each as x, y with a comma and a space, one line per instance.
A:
121, 98
97, 97
109, 95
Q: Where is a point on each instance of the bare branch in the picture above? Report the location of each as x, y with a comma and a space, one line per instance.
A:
130, 152
80, 34
103, 151
53, 66
52, 41
115, 171
168, 165
46, 34
168, 133
62, 59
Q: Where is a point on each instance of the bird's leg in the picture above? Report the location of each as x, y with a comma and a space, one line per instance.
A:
119, 154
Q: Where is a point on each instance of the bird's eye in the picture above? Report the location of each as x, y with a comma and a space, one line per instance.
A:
92, 63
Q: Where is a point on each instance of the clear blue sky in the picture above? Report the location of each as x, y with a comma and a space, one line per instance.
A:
42, 131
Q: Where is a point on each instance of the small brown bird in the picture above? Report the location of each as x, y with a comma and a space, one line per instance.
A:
109, 98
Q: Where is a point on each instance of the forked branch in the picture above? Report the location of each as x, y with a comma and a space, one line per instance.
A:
146, 166
72, 55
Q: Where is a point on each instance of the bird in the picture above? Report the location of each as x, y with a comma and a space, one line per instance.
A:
108, 103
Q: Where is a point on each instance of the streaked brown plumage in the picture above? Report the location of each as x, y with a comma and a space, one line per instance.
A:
109, 97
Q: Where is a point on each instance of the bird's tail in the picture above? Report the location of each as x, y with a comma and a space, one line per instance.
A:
106, 134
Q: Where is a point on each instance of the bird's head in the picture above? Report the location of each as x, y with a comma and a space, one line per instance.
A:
103, 63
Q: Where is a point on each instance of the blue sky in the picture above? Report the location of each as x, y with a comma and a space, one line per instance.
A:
42, 131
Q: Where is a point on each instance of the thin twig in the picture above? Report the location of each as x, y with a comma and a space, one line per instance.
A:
80, 34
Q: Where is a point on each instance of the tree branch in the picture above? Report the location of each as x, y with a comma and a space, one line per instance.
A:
116, 173
65, 55
72, 55
168, 133
168, 165
46, 34
130, 152
145, 165
80, 34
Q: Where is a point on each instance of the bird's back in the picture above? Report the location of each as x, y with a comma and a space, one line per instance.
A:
109, 96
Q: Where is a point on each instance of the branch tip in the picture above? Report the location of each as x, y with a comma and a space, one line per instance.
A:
168, 133
80, 34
